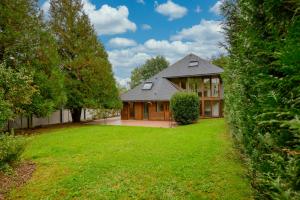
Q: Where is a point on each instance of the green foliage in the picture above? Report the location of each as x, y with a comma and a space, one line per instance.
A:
149, 69
16, 90
185, 107
27, 44
220, 61
89, 78
262, 91
119, 162
11, 148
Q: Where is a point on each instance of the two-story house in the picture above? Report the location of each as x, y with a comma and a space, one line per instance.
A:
150, 100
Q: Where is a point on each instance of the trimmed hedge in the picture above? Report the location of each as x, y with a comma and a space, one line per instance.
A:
11, 148
185, 107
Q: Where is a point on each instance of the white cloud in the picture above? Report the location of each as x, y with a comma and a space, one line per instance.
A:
45, 8
202, 39
216, 8
107, 20
121, 42
146, 27
206, 31
171, 10
140, 1
198, 9
123, 81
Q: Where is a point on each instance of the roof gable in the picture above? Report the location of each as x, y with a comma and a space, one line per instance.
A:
183, 68
161, 88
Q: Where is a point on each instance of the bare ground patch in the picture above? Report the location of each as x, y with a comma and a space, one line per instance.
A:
22, 173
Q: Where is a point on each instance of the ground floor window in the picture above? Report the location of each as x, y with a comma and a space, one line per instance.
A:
215, 108
207, 108
159, 107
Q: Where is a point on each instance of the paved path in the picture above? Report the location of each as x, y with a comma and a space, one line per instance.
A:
117, 121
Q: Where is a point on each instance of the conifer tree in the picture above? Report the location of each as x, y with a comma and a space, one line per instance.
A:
26, 45
88, 74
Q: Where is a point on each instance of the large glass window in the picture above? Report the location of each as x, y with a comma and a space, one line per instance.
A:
207, 108
194, 85
206, 82
215, 87
215, 108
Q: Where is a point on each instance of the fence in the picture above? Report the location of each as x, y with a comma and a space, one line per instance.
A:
58, 117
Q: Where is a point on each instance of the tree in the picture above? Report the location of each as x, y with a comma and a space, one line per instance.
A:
220, 60
149, 69
89, 78
262, 91
16, 90
26, 44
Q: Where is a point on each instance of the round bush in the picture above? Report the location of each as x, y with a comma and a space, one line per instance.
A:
185, 107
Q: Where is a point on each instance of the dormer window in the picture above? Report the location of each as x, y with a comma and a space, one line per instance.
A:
193, 63
147, 86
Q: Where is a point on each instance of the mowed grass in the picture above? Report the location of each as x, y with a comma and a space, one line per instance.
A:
114, 162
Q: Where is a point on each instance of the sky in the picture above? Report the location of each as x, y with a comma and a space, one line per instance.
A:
133, 31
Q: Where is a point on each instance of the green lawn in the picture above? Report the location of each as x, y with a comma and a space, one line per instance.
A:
112, 162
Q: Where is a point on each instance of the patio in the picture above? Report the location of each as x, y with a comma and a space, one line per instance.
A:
118, 122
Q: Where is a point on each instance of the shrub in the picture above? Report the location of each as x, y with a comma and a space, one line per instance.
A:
185, 107
11, 148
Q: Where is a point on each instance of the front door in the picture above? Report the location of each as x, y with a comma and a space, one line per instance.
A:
146, 111
131, 110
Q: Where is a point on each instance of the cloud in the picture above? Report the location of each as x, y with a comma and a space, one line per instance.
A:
171, 10
202, 39
123, 81
146, 27
206, 31
107, 20
140, 1
121, 42
198, 9
216, 8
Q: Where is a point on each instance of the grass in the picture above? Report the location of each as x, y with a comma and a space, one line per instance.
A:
111, 162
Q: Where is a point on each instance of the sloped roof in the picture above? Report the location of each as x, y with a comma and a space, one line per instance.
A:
181, 68
163, 89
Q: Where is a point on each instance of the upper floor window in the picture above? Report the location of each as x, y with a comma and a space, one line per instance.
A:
193, 63
215, 82
147, 86
206, 84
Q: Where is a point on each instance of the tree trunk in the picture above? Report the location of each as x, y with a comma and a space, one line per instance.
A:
76, 114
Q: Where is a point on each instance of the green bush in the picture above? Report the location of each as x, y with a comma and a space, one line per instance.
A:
11, 148
185, 107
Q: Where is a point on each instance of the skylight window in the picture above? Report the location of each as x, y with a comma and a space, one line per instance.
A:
193, 63
147, 86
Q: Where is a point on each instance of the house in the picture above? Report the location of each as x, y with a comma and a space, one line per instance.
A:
150, 100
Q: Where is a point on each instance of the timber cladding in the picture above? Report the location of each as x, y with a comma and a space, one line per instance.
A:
145, 111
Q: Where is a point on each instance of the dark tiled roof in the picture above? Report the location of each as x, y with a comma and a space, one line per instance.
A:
181, 68
162, 88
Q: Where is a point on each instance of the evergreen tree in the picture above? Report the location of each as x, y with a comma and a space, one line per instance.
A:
27, 45
89, 78
147, 70
262, 91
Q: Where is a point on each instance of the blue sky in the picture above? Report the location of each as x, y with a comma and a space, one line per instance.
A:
135, 30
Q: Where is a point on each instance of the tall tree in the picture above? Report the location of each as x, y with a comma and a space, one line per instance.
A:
89, 78
262, 91
27, 45
147, 70
16, 90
